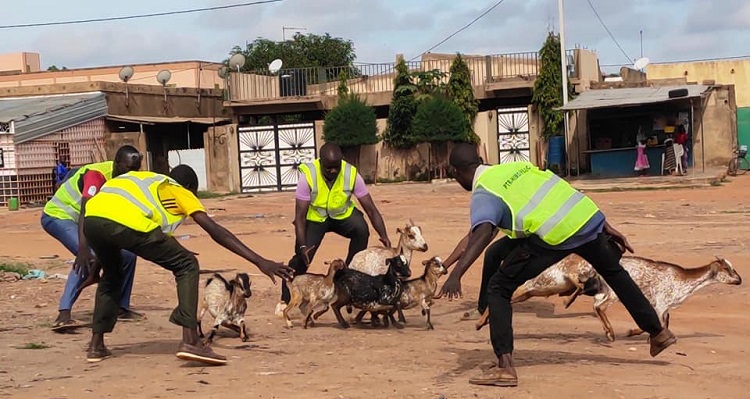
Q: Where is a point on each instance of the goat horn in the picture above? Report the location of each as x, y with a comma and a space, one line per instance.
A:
411, 222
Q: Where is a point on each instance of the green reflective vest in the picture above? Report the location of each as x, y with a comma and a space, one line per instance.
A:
66, 203
335, 202
540, 202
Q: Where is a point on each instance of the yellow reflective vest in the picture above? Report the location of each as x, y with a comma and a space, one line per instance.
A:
335, 202
540, 202
132, 200
66, 203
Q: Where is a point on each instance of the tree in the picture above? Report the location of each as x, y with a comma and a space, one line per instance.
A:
438, 121
351, 124
548, 87
54, 68
461, 92
402, 109
302, 51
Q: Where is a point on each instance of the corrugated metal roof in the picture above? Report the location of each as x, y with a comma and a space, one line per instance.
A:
38, 116
629, 97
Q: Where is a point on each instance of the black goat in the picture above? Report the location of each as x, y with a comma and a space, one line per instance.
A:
376, 294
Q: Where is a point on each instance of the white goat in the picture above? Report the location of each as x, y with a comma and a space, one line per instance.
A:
665, 285
372, 260
226, 301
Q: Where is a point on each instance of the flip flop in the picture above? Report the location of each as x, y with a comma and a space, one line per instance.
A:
69, 325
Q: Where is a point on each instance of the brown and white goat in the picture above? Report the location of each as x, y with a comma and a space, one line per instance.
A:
372, 260
665, 285
420, 291
311, 290
226, 301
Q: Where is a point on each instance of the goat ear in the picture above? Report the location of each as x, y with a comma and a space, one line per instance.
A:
425, 262
411, 222
399, 231
325, 262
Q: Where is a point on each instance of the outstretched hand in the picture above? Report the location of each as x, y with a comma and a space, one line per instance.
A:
451, 288
276, 269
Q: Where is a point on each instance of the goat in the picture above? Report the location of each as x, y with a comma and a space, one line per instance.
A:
311, 290
665, 285
375, 294
372, 260
226, 301
421, 290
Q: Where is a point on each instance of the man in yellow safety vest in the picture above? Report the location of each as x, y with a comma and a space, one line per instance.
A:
324, 204
139, 212
544, 220
61, 219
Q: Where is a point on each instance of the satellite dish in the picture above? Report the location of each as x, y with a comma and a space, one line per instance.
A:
275, 66
163, 77
237, 61
223, 72
126, 73
641, 63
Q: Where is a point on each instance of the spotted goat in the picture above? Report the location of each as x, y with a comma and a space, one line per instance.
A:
665, 285
226, 301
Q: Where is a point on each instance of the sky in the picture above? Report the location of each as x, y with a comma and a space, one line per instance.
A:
672, 29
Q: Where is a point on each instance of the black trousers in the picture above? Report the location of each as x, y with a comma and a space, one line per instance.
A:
354, 228
107, 238
524, 259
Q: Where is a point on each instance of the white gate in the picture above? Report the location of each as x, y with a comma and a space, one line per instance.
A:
513, 141
195, 158
270, 155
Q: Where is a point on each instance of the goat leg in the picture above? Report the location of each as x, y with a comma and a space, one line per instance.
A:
393, 320
429, 323
308, 316
569, 301
374, 319
401, 317
243, 331
320, 312
608, 330
210, 338
484, 320
634, 331
337, 312
359, 317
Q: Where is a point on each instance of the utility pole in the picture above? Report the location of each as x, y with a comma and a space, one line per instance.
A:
641, 33
564, 66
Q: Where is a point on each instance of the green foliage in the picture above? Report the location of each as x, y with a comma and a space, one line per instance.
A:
34, 345
54, 68
429, 83
343, 89
401, 112
13, 267
438, 119
548, 87
461, 93
302, 51
351, 123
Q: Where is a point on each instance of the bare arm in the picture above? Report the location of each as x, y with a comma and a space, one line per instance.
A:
300, 227
226, 239
458, 251
375, 218
478, 241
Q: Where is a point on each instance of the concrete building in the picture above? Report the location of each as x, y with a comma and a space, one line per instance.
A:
278, 117
734, 72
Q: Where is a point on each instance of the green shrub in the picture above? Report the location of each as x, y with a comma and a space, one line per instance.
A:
438, 119
351, 123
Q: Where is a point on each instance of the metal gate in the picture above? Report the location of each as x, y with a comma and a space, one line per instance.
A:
513, 141
270, 155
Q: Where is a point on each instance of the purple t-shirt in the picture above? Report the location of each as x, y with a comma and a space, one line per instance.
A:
303, 189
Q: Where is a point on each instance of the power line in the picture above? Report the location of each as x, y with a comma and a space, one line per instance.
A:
158, 14
731, 57
607, 29
460, 30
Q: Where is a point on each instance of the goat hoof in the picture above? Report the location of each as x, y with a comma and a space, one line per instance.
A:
344, 325
430, 327
398, 325
610, 337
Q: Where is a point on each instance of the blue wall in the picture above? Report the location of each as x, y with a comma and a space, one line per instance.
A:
620, 162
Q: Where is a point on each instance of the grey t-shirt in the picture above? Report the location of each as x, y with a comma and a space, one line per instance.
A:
485, 207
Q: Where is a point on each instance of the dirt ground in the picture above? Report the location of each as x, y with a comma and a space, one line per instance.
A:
559, 353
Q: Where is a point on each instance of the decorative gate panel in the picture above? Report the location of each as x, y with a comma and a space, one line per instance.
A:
513, 134
270, 155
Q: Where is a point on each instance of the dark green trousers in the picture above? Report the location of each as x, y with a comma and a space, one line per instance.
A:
107, 238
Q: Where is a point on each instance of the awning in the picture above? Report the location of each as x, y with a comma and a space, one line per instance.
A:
162, 119
629, 97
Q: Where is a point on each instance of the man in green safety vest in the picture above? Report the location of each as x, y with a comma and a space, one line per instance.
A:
544, 220
62, 220
324, 204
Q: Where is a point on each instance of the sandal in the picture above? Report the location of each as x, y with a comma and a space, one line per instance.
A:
68, 325
97, 355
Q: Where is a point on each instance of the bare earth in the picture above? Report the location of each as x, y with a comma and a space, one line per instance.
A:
559, 353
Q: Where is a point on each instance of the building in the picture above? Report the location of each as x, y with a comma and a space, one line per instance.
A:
734, 72
278, 117
37, 131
